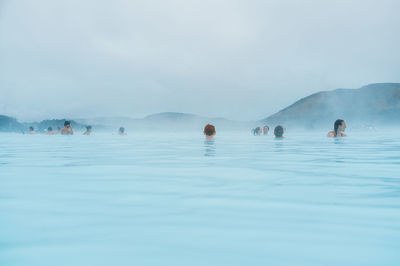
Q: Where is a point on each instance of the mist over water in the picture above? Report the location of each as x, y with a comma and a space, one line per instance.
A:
235, 59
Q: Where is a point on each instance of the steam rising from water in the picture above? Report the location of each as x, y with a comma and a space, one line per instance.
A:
236, 59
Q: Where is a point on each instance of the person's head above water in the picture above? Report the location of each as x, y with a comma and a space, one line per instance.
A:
278, 132
88, 130
32, 130
121, 131
266, 129
209, 131
338, 127
257, 131
50, 131
67, 130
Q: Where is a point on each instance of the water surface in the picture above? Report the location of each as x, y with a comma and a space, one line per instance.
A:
169, 199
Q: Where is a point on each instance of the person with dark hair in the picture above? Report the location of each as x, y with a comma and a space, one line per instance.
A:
266, 129
88, 130
121, 131
338, 128
50, 131
67, 130
278, 132
209, 131
257, 131
32, 131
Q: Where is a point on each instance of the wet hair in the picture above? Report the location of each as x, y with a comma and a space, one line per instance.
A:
336, 126
255, 131
264, 128
31, 128
122, 129
66, 123
88, 128
209, 130
278, 131
49, 129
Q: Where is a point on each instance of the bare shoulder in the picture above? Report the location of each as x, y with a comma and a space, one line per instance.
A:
331, 134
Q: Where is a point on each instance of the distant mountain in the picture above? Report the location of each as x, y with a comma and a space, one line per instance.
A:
374, 104
170, 116
163, 122
167, 121
9, 124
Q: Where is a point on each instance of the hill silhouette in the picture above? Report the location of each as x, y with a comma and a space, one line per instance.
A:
374, 104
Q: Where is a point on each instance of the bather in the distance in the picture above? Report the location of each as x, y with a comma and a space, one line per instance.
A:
338, 128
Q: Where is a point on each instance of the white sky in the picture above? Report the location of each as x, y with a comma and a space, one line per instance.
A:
237, 59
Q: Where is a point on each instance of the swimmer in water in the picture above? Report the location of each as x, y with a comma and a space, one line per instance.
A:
209, 131
266, 129
278, 132
257, 131
67, 130
121, 131
50, 131
88, 130
338, 129
32, 131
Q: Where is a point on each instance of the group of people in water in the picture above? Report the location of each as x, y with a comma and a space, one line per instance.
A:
68, 130
209, 130
338, 129
278, 131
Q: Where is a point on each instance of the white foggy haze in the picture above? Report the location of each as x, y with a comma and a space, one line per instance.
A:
236, 59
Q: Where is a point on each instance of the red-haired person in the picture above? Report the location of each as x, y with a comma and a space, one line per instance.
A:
209, 131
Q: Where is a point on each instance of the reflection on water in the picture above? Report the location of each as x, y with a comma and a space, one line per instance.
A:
209, 147
278, 144
339, 140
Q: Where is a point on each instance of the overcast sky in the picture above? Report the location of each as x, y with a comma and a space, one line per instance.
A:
237, 59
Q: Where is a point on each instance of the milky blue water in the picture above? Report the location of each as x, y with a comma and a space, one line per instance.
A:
169, 199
